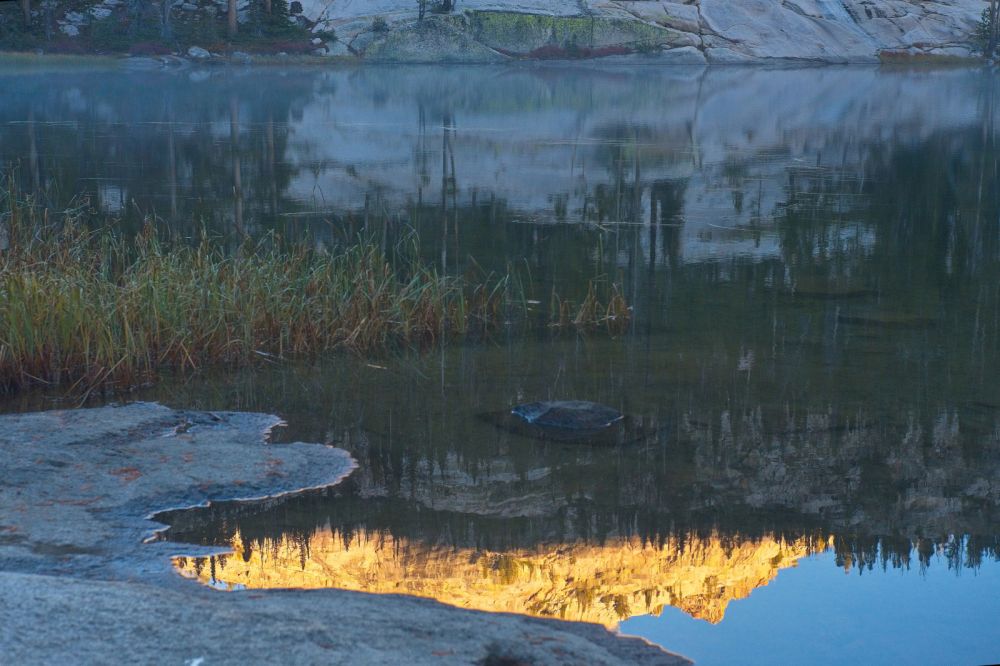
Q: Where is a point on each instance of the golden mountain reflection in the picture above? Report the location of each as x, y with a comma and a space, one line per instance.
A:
604, 583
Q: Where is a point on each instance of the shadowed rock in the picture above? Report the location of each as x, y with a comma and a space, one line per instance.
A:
578, 421
568, 414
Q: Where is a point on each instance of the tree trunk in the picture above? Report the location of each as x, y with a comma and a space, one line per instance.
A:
26, 11
165, 30
994, 28
267, 7
232, 18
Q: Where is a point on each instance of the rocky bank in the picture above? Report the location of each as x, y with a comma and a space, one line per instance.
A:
82, 582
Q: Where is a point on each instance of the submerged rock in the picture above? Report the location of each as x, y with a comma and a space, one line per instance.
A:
577, 421
568, 414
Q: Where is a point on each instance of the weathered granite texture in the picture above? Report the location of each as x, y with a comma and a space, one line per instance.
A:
659, 31
722, 31
79, 485
58, 620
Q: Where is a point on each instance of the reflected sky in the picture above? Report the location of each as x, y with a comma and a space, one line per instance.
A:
819, 614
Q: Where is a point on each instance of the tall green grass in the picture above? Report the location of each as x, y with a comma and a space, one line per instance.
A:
100, 307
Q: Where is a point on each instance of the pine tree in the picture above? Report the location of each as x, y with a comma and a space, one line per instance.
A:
988, 30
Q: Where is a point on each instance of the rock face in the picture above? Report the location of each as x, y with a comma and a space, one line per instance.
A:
722, 31
432, 40
667, 31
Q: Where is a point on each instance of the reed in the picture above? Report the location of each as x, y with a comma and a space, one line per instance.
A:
99, 307
611, 311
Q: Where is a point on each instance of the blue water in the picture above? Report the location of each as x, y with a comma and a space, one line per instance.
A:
817, 613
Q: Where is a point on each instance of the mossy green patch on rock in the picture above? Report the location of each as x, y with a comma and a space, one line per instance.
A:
522, 33
430, 40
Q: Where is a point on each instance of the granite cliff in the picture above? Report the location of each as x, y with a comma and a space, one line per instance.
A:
683, 32
487, 31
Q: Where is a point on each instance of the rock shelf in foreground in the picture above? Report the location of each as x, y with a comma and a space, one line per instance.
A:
81, 583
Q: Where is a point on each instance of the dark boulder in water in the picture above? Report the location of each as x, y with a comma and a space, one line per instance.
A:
576, 421
568, 414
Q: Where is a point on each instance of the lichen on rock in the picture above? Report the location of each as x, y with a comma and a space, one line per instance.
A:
524, 33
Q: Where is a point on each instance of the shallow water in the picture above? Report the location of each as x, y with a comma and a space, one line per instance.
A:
812, 257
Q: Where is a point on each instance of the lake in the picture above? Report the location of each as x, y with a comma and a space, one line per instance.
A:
812, 259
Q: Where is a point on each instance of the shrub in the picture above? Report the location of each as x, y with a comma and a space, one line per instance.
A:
326, 35
202, 31
149, 49
67, 46
986, 32
570, 52
279, 46
109, 35
275, 24
14, 35
444, 7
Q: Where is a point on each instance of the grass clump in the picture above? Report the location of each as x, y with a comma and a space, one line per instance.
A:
103, 308
89, 306
611, 311
95, 308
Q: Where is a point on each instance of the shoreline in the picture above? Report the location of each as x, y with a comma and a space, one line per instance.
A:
75, 543
30, 60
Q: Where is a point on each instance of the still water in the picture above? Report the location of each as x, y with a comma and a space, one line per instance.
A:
813, 261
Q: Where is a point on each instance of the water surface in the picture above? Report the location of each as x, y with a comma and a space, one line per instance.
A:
813, 261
